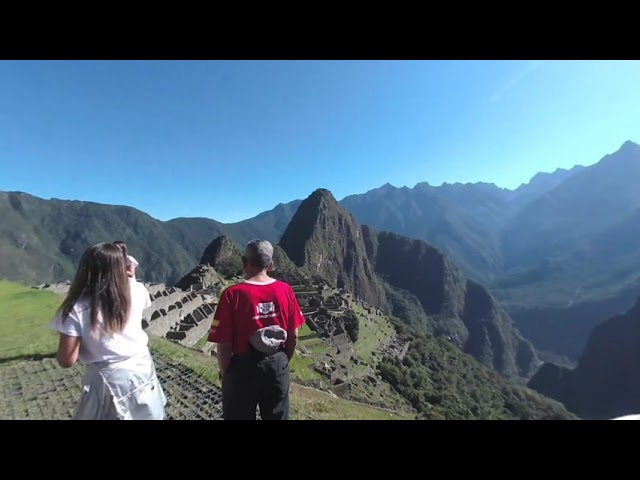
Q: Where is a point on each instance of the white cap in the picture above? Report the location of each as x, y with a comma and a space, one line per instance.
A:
132, 261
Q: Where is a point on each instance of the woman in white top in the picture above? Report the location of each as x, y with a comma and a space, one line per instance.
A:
100, 323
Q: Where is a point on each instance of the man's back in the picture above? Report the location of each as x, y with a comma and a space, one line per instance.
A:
250, 306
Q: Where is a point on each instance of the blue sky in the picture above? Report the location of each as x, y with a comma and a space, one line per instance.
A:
227, 140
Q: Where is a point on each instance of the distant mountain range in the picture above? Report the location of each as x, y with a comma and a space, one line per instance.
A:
559, 253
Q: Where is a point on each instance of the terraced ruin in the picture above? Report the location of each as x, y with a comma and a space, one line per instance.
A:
178, 315
342, 343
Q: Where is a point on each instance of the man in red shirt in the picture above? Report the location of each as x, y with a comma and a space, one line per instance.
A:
256, 328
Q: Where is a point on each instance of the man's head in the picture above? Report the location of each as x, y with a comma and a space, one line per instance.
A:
258, 257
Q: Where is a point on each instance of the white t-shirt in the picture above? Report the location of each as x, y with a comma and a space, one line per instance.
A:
107, 348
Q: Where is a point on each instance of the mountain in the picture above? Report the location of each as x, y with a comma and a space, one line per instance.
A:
558, 252
419, 283
540, 184
462, 220
605, 383
224, 256
570, 255
43, 240
583, 205
324, 239
459, 309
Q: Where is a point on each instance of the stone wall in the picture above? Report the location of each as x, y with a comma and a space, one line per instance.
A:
178, 315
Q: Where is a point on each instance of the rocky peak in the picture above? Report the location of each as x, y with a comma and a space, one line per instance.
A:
324, 239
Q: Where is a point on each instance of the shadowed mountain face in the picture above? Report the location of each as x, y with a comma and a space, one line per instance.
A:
224, 256
408, 277
606, 382
324, 239
459, 309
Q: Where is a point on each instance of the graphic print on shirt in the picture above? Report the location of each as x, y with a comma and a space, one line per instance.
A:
265, 310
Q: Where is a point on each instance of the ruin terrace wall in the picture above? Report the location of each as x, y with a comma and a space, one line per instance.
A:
197, 332
178, 315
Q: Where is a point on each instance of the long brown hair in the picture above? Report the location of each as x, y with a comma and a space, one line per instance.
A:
102, 277
122, 246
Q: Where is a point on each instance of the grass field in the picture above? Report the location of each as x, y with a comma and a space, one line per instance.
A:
372, 334
25, 314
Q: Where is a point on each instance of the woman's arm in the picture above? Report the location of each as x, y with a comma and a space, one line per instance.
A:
68, 349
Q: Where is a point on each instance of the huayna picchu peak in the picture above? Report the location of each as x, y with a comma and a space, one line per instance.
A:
324, 239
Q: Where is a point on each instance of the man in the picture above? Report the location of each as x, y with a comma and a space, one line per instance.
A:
256, 328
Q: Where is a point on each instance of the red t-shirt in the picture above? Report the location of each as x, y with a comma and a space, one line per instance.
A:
249, 306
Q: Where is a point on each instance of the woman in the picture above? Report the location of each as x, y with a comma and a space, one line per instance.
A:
100, 323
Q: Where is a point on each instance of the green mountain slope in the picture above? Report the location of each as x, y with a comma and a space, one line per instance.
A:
42, 240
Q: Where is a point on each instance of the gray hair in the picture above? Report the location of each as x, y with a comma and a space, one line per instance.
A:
259, 253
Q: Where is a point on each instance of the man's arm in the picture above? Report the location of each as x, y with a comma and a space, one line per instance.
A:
290, 344
224, 357
222, 332
295, 322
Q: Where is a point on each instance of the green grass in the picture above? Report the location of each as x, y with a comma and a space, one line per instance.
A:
306, 403
204, 365
25, 314
302, 369
315, 346
379, 330
305, 331
311, 404
202, 342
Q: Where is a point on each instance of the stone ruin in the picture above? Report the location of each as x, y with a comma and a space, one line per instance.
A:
183, 316
61, 288
398, 347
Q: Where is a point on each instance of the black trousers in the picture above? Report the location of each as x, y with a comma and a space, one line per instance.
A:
254, 379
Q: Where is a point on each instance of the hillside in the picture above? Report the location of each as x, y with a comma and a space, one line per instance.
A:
42, 240
605, 383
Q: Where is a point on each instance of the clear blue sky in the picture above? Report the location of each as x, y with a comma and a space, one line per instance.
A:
227, 140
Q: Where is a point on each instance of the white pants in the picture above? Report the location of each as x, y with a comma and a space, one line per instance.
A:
127, 390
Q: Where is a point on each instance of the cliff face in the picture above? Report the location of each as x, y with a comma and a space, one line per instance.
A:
462, 310
324, 239
606, 381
